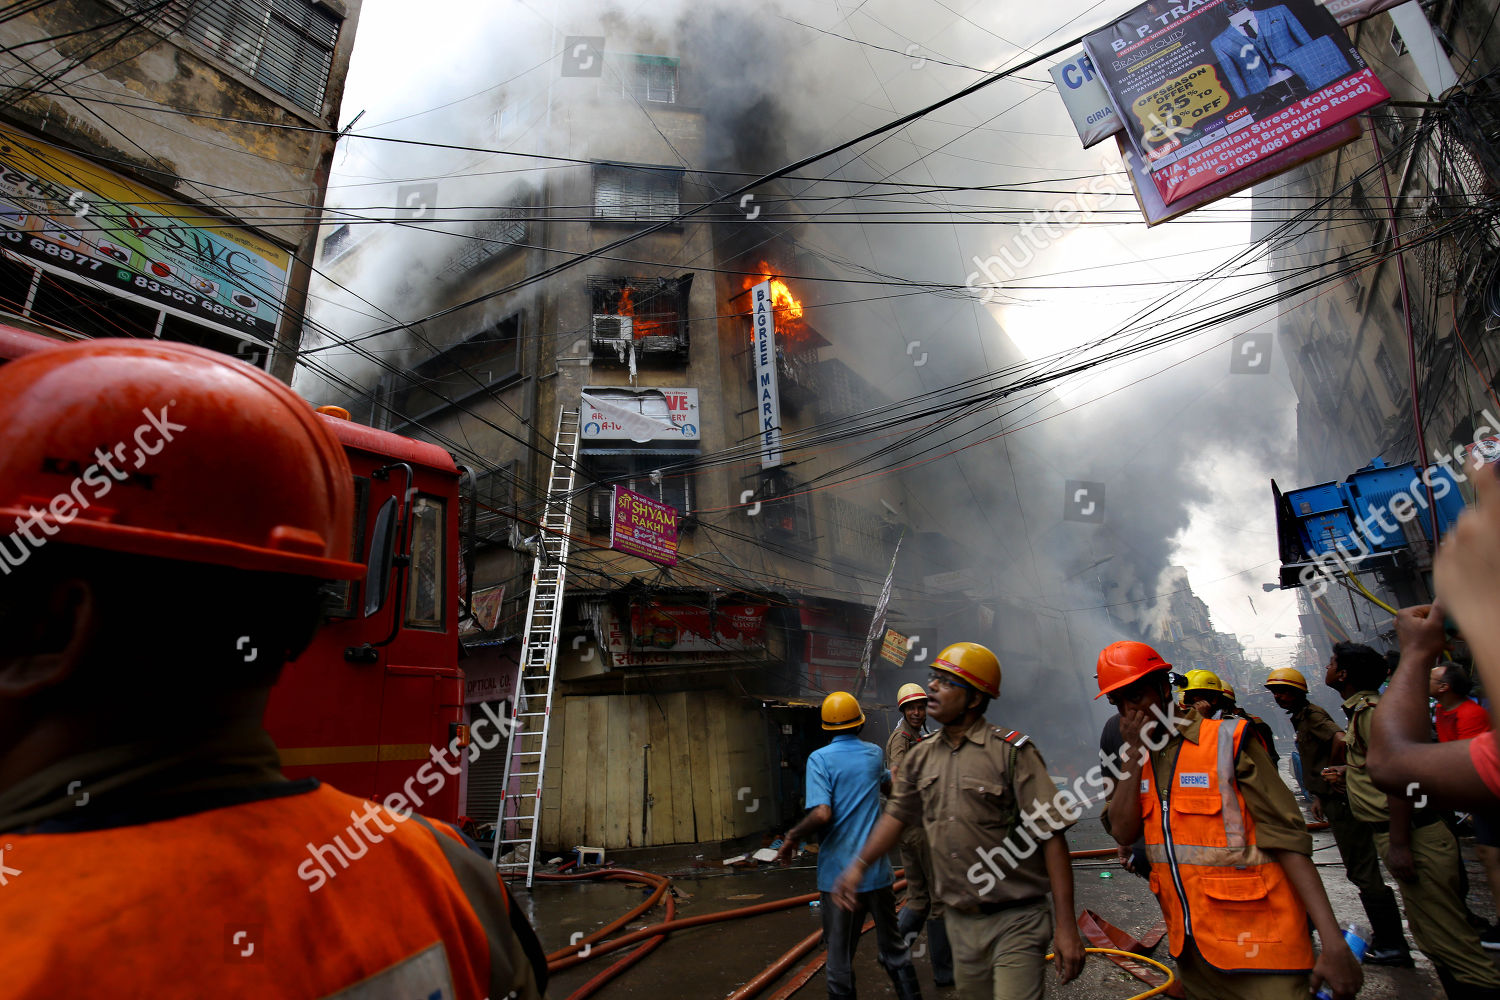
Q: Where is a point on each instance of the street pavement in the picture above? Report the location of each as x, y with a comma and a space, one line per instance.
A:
714, 960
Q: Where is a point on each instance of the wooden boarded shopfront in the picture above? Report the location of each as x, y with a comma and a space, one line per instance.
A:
704, 778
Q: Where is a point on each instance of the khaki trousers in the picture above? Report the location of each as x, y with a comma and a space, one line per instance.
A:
1435, 909
1001, 956
1203, 982
916, 858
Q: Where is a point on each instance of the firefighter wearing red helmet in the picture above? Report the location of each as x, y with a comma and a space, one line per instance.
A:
995, 826
1230, 853
176, 515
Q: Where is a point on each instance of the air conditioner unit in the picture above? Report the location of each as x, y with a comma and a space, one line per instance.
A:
610, 329
618, 333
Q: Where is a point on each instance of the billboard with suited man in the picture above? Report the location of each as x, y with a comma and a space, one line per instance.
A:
1206, 88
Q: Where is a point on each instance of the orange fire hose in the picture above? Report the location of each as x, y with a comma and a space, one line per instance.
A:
613, 874
778, 968
593, 986
654, 934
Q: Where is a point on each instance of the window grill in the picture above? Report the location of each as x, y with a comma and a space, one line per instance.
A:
338, 243
648, 314
287, 45
636, 194
640, 472
489, 358
1394, 384
652, 78
505, 232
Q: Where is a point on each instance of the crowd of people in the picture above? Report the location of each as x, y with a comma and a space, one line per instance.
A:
1198, 807
194, 829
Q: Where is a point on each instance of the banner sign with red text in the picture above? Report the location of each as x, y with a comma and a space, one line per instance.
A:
1207, 88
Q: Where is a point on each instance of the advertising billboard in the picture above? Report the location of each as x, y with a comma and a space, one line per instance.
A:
1206, 89
685, 628
1085, 98
1093, 113
72, 217
768, 398
643, 527
618, 413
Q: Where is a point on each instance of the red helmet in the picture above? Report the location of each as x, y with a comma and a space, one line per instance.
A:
167, 450
1124, 662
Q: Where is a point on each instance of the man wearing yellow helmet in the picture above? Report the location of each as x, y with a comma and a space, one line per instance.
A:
843, 799
915, 856
978, 793
1320, 743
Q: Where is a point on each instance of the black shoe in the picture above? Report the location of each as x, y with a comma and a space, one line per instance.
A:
1491, 938
905, 981
1399, 957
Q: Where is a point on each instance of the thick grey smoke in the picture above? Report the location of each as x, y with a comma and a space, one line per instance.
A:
1192, 439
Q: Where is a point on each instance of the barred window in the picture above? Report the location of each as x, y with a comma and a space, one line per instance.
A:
285, 44
651, 78
503, 233
337, 243
641, 194
1394, 384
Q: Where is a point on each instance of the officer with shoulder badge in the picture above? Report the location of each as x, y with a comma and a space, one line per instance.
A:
1320, 741
995, 827
916, 858
1411, 838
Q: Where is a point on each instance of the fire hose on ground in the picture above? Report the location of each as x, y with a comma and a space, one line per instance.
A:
653, 935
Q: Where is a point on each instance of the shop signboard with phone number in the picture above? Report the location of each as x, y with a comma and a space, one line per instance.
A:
73, 217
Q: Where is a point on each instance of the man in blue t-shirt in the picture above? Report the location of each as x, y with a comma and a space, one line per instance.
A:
843, 798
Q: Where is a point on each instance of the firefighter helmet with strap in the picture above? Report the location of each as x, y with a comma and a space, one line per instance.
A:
161, 449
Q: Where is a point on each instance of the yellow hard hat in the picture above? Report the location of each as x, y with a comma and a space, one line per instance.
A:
1287, 677
1202, 680
1229, 693
973, 664
910, 692
841, 711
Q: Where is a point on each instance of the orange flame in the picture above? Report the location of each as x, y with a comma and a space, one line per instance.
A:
642, 327
786, 307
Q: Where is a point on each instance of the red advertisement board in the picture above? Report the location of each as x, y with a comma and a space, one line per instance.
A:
684, 628
643, 527
1208, 89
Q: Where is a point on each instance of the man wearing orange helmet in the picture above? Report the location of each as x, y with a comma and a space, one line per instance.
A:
1230, 853
984, 798
916, 857
182, 508
1320, 743
843, 799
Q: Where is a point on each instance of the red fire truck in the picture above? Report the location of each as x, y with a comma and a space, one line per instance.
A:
379, 691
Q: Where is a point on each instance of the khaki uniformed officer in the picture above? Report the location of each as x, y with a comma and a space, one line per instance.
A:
1414, 843
1320, 743
979, 793
915, 856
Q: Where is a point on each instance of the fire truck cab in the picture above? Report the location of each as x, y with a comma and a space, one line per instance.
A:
376, 700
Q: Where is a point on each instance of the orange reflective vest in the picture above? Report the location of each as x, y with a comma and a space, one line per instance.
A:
1214, 884
234, 901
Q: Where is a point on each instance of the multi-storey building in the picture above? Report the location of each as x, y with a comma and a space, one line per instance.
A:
165, 165
687, 696
1399, 227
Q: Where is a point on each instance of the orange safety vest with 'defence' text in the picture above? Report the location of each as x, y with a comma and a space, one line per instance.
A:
1214, 884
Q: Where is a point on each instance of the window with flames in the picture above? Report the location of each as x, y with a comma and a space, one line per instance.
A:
643, 317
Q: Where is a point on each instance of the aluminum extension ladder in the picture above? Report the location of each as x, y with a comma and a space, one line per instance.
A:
531, 710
